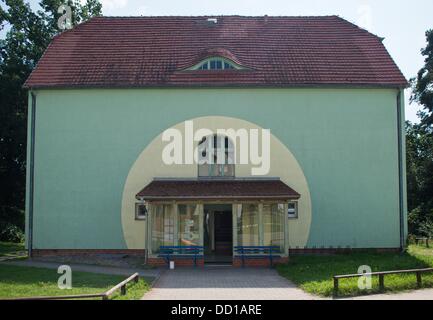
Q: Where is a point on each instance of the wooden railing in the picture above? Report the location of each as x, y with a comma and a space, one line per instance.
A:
423, 240
381, 276
104, 295
121, 286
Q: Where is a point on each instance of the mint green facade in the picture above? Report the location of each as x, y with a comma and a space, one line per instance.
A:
345, 140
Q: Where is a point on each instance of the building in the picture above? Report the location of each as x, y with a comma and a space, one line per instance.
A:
111, 96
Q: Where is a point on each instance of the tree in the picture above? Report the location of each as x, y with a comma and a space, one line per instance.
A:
422, 85
419, 151
27, 38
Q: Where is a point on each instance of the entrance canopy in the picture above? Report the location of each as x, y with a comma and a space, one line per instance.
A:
214, 189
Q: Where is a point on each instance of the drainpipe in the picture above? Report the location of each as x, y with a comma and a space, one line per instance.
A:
31, 173
400, 169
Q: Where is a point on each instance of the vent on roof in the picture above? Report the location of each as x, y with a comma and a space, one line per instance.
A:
212, 21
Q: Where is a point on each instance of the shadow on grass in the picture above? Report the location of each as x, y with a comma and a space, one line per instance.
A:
314, 273
9, 247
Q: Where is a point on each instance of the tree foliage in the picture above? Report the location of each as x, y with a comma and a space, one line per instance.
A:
419, 141
29, 33
420, 149
422, 85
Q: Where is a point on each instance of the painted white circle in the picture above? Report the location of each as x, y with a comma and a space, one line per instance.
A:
149, 165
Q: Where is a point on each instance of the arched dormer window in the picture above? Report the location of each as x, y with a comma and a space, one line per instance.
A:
216, 63
216, 157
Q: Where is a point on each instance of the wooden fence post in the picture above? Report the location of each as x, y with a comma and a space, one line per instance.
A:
418, 279
381, 282
336, 287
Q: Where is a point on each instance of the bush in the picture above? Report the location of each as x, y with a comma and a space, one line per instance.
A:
11, 224
11, 233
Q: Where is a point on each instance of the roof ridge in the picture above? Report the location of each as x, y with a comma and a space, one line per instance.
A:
214, 15
358, 27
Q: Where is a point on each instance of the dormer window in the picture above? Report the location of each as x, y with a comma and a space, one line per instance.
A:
216, 63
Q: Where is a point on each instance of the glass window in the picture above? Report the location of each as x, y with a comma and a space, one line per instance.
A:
188, 225
273, 225
248, 224
162, 226
140, 211
292, 210
214, 64
216, 157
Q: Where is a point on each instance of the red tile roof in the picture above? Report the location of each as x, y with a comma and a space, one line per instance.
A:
153, 51
217, 190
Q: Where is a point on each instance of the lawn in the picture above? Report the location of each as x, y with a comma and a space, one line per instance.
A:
314, 273
8, 248
28, 281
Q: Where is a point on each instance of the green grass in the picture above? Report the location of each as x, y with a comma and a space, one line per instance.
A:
314, 273
8, 248
28, 281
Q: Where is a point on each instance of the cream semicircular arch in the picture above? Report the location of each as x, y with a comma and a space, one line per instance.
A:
149, 165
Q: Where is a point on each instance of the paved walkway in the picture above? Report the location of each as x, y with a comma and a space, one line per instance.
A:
219, 283
224, 283
152, 273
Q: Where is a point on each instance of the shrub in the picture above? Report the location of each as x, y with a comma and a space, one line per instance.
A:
11, 233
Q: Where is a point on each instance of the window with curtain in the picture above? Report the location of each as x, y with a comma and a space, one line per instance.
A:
248, 224
216, 157
188, 225
273, 225
162, 226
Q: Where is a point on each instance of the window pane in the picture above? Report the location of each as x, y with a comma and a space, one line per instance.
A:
228, 66
162, 227
212, 64
188, 225
292, 210
273, 225
140, 211
248, 225
216, 157
219, 64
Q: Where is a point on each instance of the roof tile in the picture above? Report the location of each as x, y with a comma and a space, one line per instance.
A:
153, 52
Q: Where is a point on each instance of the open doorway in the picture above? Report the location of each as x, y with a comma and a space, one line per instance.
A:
218, 233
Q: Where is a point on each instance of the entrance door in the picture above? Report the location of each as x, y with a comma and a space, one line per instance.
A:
218, 234
223, 233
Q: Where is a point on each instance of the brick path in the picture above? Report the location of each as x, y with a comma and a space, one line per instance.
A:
224, 283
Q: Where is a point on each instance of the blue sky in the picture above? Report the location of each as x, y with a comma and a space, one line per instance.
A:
402, 23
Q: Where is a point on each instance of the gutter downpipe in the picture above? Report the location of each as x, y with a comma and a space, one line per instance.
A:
31, 172
400, 170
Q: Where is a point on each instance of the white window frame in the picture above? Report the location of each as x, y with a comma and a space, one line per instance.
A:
223, 61
296, 214
138, 216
